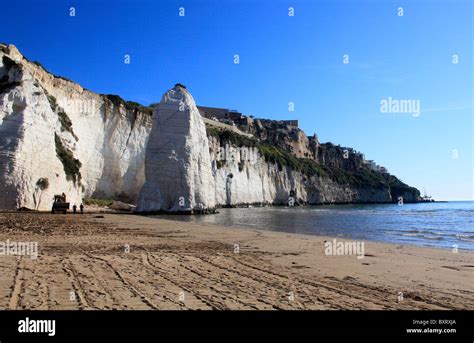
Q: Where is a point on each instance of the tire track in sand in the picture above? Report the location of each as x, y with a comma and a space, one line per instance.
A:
76, 285
17, 286
213, 304
128, 285
372, 298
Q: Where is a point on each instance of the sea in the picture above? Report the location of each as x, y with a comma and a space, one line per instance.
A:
447, 225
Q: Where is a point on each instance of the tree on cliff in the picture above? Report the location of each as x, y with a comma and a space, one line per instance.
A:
41, 185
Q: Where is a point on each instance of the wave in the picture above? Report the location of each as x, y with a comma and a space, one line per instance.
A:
463, 235
423, 236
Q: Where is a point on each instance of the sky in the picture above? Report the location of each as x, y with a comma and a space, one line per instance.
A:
403, 50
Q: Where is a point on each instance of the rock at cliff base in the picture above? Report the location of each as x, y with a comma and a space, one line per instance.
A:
121, 206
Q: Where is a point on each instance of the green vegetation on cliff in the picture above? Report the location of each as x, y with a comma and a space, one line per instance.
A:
401, 189
66, 123
98, 202
129, 105
362, 176
64, 120
270, 153
71, 165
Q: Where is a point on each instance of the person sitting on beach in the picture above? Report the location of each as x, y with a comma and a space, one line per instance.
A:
82, 208
74, 208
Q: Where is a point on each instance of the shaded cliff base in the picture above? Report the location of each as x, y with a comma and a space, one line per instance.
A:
215, 210
97, 205
176, 265
105, 207
184, 212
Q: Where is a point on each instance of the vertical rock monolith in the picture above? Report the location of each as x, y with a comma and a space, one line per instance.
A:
178, 175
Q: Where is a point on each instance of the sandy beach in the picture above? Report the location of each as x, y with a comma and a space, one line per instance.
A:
122, 261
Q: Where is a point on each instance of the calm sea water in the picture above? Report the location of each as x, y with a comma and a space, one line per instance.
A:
424, 224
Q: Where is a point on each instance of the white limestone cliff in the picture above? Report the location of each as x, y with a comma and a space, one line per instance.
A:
57, 137
241, 180
106, 138
177, 163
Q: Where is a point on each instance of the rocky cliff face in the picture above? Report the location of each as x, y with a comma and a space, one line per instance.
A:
56, 136
177, 165
245, 175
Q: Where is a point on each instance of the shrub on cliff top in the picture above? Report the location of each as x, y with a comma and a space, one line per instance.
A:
41, 66
116, 99
129, 105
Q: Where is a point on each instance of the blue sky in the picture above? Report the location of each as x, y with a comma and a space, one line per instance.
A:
283, 59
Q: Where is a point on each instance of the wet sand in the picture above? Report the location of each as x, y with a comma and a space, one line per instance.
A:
121, 261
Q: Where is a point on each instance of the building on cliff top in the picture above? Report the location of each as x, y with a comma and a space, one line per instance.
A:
291, 123
375, 167
226, 116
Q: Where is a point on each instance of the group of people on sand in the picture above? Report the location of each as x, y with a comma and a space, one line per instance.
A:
81, 208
